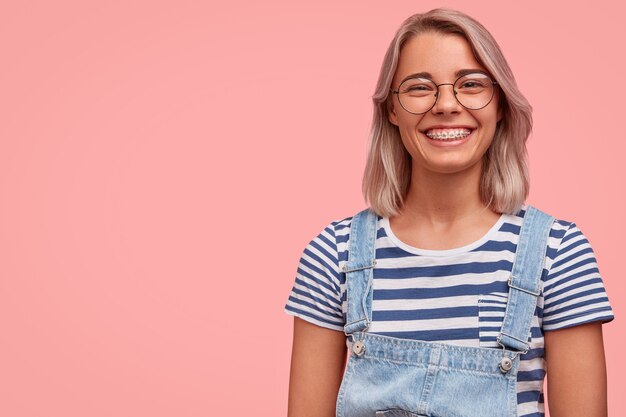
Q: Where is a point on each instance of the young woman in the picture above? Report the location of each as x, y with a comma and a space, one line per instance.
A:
453, 296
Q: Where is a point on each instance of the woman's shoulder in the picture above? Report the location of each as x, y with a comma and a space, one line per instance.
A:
338, 226
569, 256
328, 241
559, 227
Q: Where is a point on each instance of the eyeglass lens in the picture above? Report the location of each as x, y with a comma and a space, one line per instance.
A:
473, 91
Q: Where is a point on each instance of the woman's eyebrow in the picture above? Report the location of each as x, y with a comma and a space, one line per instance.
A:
457, 74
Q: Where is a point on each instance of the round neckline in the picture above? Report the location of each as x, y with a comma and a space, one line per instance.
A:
441, 252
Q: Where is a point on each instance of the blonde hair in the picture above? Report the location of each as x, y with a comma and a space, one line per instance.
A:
505, 181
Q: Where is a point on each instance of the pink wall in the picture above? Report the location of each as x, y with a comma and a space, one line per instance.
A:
163, 164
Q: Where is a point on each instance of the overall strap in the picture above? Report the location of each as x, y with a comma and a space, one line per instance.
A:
525, 280
360, 271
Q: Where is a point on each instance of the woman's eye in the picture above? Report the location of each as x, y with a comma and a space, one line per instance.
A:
472, 84
418, 88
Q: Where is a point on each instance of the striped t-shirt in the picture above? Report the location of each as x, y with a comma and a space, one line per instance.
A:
456, 296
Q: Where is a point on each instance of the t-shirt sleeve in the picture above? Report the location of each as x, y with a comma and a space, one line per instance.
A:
316, 292
573, 290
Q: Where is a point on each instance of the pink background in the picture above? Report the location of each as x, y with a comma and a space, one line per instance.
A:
163, 164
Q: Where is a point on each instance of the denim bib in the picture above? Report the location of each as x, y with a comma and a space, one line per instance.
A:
393, 377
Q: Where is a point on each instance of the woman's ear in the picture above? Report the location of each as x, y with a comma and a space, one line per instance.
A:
391, 111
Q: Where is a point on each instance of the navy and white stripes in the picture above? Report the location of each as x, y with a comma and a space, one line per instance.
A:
455, 296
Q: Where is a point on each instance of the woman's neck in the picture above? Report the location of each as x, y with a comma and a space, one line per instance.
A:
444, 199
443, 211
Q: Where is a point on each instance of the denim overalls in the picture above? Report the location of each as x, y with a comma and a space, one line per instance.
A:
393, 377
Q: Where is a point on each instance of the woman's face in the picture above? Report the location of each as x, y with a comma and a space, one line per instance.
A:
442, 55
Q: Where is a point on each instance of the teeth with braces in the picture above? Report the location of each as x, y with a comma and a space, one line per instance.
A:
449, 134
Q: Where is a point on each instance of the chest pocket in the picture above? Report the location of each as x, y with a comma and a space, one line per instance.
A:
491, 309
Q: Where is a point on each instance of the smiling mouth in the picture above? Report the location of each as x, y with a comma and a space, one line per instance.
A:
448, 134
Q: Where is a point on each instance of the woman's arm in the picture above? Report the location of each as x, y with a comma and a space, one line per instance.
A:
317, 363
576, 371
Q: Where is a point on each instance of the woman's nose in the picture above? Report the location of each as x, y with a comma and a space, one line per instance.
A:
446, 100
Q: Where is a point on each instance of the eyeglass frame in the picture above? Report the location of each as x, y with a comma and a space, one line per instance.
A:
453, 90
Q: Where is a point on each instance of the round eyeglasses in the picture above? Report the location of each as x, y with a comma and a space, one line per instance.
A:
419, 95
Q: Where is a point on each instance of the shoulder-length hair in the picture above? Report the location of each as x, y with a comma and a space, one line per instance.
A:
504, 182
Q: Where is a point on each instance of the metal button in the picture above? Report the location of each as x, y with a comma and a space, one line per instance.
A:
506, 364
358, 348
